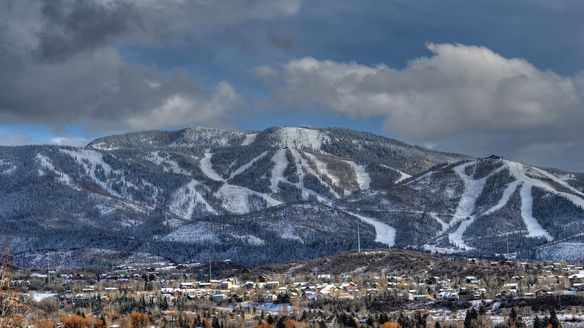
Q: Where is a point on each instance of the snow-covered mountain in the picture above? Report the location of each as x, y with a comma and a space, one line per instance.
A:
278, 194
486, 206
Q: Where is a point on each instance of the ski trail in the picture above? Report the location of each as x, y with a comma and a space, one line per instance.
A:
404, 175
444, 226
518, 172
322, 169
504, 199
466, 206
277, 174
207, 167
363, 178
304, 165
185, 200
383, 233
534, 229
246, 166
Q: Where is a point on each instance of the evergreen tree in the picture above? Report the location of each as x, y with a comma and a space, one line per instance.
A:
471, 320
554, 321
537, 322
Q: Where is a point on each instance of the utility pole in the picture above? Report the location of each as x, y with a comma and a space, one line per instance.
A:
358, 238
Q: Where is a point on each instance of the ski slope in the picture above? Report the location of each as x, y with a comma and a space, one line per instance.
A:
383, 233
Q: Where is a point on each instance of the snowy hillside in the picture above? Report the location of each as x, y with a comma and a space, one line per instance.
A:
481, 206
201, 191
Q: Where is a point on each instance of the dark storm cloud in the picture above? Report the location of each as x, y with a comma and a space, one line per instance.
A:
84, 25
59, 64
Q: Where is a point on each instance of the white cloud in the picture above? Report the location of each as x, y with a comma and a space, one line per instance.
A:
181, 110
15, 139
464, 98
69, 141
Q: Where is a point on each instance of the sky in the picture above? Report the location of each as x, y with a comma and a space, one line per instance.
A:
477, 77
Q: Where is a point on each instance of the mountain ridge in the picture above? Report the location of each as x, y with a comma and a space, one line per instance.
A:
145, 191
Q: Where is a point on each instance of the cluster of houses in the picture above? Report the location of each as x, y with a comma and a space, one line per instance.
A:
172, 281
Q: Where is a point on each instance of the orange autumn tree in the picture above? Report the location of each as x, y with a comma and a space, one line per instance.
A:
289, 323
74, 321
139, 319
263, 324
390, 324
12, 310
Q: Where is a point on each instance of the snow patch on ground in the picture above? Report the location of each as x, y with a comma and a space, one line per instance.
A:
6, 167
235, 199
571, 251
440, 250
363, 178
200, 232
168, 165
383, 233
302, 138
249, 139
289, 233
250, 240
46, 164
93, 165
103, 146
40, 296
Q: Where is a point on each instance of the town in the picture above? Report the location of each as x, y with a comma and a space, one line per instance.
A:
368, 289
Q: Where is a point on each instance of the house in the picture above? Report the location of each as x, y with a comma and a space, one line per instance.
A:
186, 285
577, 280
270, 298
218, 298
324, 277
88, 289
263, 277
204, 285
227, 284
512, 288
272, 284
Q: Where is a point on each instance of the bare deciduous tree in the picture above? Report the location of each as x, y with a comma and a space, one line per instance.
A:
12, 310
